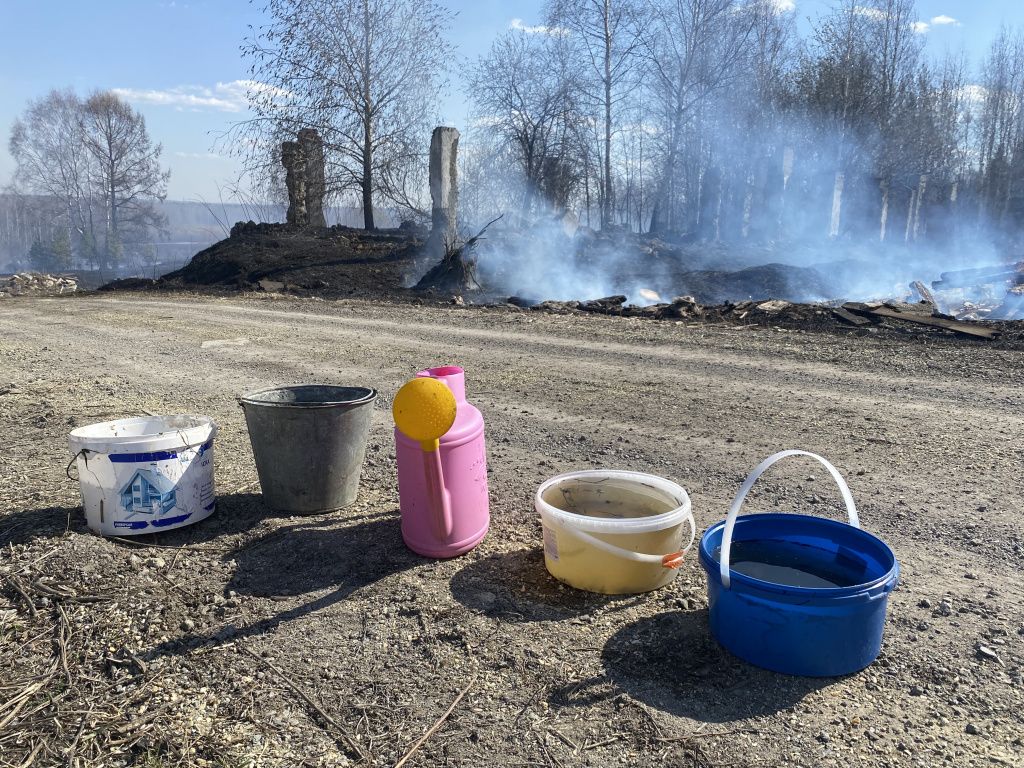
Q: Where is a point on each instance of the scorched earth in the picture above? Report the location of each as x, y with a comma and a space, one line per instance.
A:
254, 639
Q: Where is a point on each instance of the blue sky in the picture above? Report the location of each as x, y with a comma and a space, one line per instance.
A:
178, 61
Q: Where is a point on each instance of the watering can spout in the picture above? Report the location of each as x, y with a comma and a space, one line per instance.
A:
451, 376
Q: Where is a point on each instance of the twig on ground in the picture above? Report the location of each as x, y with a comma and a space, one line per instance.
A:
350, 742
543, 741
26, 692
698, 735
533, 700
32, 755
604, 743
174, 559
20, 590
14, 712
187, 592
643, 708
440, 721
63, 626
50, 591
565, 740
71, 751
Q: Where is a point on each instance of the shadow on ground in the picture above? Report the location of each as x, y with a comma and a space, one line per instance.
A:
671, 662
316, 555
306, 558
235, 514
47, 523
515, 586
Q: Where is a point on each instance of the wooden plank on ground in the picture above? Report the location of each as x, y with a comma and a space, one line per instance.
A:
849, 317
965, 329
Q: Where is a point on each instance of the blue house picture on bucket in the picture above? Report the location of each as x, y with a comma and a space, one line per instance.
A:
148, 493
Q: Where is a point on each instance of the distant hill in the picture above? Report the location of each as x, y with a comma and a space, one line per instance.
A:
191, 227
213, 220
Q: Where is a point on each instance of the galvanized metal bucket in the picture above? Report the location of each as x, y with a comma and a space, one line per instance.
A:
309, 442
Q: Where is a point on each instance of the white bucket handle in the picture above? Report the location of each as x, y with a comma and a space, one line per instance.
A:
730, 520
671, 560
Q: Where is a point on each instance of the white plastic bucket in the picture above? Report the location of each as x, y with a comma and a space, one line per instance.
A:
147, 474
613, 532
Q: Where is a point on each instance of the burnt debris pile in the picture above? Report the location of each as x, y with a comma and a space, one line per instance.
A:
853, 316
995, 292
24, 283
328, 261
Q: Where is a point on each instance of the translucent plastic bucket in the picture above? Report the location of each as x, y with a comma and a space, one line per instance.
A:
613, 532
147, 474
794, 593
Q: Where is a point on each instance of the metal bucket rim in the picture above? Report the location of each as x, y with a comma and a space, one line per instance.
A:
253, 398
752, 585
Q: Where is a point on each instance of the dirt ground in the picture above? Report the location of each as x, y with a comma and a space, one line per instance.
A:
254, 639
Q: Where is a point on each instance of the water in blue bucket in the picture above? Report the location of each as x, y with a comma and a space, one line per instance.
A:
793, 564
797, 594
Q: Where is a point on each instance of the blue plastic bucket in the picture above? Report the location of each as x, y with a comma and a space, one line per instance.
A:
797, 594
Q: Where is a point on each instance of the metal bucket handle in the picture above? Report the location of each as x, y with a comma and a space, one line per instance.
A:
672, 560
730, 520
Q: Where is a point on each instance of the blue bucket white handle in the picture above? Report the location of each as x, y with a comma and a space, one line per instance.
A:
794, 593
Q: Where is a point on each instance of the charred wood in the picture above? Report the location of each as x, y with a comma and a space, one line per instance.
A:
968, 278
924, 293
919, 318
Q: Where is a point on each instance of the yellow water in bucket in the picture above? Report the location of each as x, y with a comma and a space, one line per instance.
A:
614, 532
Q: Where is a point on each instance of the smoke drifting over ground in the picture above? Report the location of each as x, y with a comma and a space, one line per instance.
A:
756, 162
792, 228
554, 258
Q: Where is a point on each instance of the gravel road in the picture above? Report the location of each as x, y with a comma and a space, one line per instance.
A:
225, 632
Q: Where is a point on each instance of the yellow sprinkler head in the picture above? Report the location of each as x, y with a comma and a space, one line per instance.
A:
424, 410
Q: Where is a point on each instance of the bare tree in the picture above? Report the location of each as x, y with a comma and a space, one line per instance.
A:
365, 73
524, 94
895, 47
835, 80
86, 160
1001, 122
128, 174
48, 147
694, 52
609, 34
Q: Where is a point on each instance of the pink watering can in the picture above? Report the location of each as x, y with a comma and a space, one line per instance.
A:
442, 466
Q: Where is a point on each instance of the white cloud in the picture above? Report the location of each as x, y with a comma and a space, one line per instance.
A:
943, 19
783, 6
875, 14
200, 155
871, 13
222, 97
539, 29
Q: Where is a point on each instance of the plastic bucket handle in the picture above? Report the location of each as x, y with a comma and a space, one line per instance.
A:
672, 560
730, 521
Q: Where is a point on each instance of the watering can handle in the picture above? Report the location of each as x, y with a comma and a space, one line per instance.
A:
730, 520
672, 560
